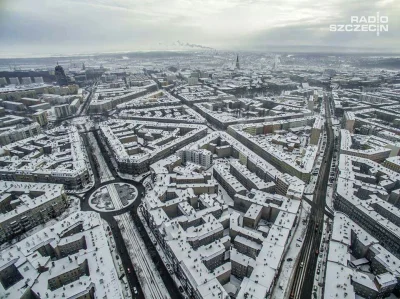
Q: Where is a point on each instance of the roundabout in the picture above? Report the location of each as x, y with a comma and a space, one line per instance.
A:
113, 197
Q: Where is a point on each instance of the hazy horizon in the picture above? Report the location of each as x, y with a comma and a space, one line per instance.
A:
68, 27
271, 49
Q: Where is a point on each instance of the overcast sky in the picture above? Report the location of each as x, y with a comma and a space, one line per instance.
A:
82, 26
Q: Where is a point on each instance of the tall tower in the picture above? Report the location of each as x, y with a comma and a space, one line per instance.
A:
60, 75
237, 62
276, 62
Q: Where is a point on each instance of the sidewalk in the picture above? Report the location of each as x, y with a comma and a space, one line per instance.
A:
149, 278
104, 171
163, 257
117, 262
281, 289
322, 257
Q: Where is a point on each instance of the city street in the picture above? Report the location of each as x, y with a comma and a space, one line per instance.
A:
150, 280
104, 171
119, 242
303, 286
176, 153
121, 247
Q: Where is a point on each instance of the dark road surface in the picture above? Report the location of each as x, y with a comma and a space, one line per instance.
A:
303, 282
109, 217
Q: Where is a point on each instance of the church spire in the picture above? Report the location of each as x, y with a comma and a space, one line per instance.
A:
237, 62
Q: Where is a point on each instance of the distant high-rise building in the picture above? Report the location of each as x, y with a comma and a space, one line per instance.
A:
237, 62
14, 80
193, 80
201, 157
26, 80
62, 111
60, 75
276, 62
40, 117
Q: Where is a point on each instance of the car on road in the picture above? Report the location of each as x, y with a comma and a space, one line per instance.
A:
180, 289
316, 251
301, 264
135, 290
315, 288
129, 270
124, 280
289, 259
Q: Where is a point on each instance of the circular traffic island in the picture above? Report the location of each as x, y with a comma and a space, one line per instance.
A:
113, 197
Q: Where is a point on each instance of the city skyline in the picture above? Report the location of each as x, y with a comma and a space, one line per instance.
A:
65, 27
227, 149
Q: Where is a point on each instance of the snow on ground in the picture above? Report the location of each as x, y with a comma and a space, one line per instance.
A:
322, 257
110, 154
136, 178
111, 197
152, 285
227, 199
286, 275
329, 197
104, 171
117, 262
221, 191
311, 186
162, 255
233, 285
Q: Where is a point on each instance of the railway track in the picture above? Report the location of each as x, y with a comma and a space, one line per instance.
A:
304, 274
